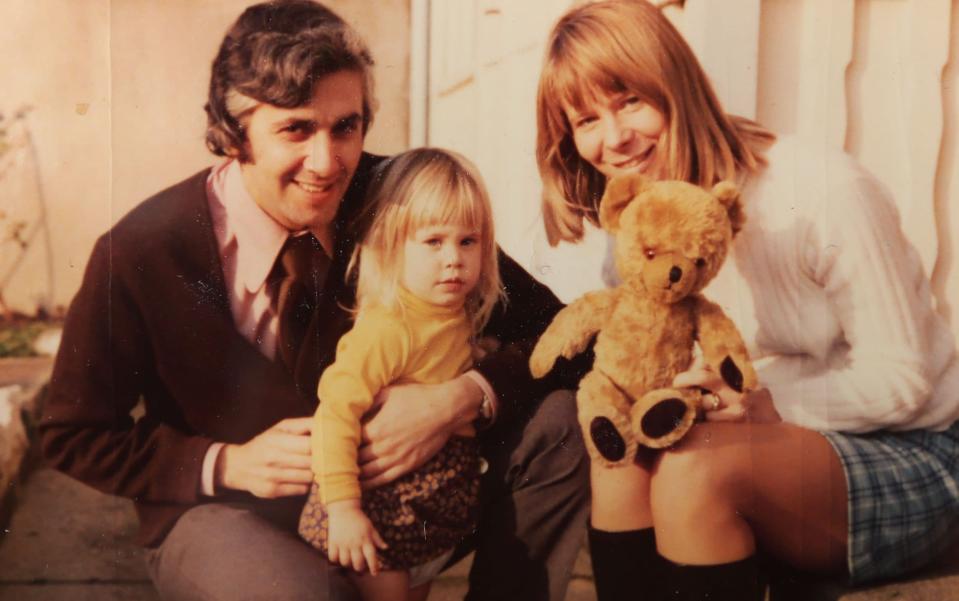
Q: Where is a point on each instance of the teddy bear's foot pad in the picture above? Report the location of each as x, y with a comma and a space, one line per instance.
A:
663, 418
607, 439
731, 374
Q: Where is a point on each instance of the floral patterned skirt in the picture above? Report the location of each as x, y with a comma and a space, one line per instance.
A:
420, 515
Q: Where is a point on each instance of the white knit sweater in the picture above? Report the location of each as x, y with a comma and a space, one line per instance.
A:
827, 292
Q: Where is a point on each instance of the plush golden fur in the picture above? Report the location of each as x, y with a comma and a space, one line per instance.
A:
671, 240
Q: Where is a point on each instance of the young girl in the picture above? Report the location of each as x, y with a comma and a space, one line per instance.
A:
427, 282
847, 459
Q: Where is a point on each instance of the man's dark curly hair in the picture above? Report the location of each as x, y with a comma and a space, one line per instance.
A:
274, 54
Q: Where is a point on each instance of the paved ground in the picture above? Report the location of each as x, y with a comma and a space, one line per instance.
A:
66, 541
26, 370
63, 541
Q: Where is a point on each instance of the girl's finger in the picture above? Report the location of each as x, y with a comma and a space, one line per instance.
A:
359, 564
369, 552
378, 541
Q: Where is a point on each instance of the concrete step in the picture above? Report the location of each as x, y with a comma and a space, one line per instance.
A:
937, 582
68, 542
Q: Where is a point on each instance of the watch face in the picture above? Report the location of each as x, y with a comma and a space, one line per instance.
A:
486, 407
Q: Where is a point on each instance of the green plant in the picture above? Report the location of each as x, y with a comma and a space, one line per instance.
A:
16, 339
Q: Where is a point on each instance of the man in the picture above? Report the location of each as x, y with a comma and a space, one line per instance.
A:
185, 305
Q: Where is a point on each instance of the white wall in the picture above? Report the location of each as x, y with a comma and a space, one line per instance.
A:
117, 89
877, 77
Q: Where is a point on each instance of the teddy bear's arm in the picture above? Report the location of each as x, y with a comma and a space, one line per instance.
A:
571, 330
723, 348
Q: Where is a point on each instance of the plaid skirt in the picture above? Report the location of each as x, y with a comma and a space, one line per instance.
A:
903, 490
421, 515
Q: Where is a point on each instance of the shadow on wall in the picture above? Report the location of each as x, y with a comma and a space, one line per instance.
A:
26, 255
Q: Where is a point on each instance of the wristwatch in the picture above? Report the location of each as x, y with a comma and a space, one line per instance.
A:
485, 418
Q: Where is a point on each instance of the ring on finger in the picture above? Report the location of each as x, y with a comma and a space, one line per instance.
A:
713, 401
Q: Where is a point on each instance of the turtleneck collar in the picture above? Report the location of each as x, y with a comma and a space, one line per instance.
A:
419, 306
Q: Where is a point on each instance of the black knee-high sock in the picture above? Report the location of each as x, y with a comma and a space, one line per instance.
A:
735, 581
626, 565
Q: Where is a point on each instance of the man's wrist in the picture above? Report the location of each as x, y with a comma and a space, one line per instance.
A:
487, 409
208, 477
221, 475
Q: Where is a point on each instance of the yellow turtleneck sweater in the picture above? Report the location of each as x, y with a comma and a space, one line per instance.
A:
419, 342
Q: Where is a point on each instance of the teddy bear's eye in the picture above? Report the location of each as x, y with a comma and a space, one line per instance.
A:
700, 262
650, 253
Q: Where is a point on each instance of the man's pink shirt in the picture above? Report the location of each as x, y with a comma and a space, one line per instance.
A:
249, 241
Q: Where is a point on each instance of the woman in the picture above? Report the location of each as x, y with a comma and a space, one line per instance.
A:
846, 458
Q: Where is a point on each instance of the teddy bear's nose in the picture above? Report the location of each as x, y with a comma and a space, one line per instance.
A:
675, 274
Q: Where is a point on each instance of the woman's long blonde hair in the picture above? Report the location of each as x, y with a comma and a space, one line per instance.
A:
616, 46
420, 188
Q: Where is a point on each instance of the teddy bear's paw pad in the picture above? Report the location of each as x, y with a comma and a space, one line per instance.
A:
663, 418
607, 439
731, 374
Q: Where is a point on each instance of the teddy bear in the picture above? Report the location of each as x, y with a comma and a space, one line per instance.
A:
671, 239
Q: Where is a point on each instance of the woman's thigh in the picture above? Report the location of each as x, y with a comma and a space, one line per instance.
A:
780, 484
223, 551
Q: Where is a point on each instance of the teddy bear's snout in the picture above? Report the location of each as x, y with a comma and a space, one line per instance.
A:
675, 274
669, 276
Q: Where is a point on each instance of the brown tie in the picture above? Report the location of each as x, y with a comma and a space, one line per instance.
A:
301, 271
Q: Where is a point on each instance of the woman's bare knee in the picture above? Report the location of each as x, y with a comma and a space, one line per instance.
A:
694, 499
620, 497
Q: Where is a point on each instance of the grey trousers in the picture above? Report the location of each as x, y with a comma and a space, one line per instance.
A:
534, 503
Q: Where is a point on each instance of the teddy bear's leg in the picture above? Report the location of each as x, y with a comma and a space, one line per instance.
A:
604, 417
723, 347
663, 416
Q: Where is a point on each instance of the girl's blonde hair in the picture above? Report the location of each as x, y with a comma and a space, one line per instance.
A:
420, 188
617, 46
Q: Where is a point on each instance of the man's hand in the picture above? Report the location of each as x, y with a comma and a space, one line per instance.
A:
353, 540
276, 463
411, 424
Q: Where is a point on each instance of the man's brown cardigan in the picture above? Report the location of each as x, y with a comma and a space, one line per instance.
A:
152, 320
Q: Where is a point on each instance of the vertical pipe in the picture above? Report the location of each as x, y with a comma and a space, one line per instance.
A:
419, 72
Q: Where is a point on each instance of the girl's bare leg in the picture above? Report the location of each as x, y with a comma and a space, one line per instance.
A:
725, 486
393, 585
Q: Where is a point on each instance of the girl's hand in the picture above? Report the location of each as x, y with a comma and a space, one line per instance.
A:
723, 404
353, 540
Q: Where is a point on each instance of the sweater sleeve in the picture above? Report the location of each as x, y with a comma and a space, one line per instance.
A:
884, 373
368, 358
86, 429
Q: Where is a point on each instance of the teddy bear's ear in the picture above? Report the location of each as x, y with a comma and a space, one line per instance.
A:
727, 193
619, 192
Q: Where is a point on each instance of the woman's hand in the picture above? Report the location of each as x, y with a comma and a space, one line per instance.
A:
408, 424
353, 540
723, 404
